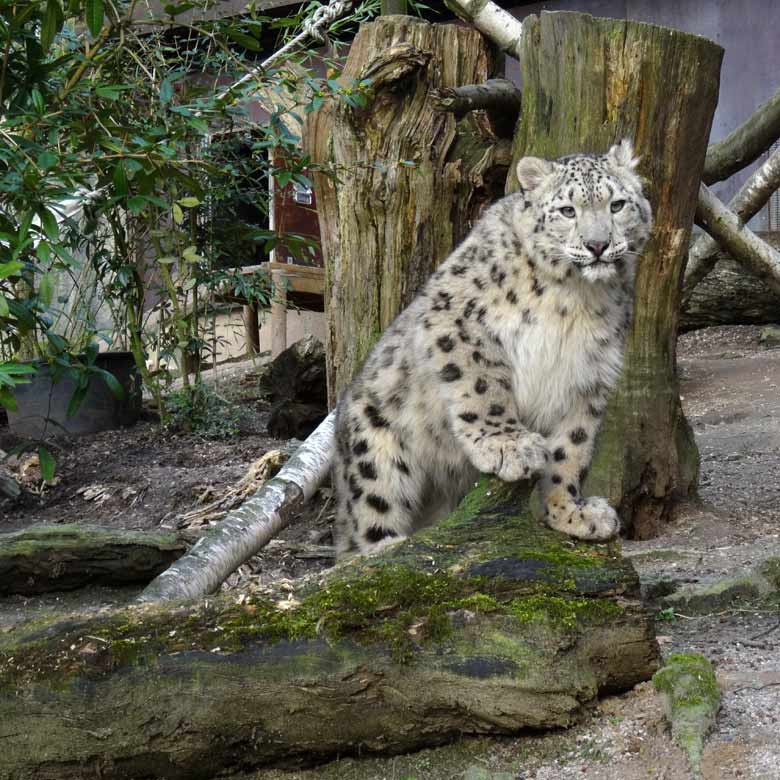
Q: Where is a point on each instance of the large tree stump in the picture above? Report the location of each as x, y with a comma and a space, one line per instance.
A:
486, 624
587, 83
409, 186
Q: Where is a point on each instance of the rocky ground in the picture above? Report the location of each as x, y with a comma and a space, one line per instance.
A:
697, 572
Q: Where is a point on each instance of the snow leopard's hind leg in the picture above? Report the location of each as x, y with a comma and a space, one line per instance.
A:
379, 486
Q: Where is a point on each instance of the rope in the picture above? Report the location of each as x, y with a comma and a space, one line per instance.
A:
313, 27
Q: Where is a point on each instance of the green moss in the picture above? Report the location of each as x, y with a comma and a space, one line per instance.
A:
691, 697
489, 557
562, 612
33, 541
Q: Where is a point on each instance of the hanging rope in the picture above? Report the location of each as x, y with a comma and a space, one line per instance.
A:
314, 27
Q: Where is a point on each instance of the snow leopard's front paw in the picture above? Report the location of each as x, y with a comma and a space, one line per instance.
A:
510, 458
591, 518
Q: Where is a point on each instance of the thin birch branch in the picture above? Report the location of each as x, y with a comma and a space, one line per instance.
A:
491, 20
249, 528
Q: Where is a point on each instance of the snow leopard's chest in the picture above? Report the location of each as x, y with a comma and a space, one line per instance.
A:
567, 351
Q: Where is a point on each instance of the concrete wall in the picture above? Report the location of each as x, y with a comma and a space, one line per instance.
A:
230, 331
746, 29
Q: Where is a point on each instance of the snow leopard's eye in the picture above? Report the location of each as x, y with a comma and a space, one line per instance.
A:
616, 205
568, 211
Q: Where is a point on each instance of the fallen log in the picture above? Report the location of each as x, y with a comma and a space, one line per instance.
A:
63, 557
488, 623
731, 295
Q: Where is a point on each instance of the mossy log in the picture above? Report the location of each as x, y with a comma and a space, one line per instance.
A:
63, 557
487, 623
408, 190
587, 83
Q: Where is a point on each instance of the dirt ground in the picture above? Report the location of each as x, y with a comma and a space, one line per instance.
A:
141, 478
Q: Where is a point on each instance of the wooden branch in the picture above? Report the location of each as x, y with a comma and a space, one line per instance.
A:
491, 20
746, 144
750, 199
499, 97
736, 239
248, 529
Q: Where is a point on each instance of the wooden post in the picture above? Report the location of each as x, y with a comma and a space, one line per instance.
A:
393, 7
249, 313
586, 84
278, 314
410, 182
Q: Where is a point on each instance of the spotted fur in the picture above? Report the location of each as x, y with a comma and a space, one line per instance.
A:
503, 363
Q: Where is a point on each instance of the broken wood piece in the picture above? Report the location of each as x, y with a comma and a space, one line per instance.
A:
499, 97
257, 475
488, 623
47, 558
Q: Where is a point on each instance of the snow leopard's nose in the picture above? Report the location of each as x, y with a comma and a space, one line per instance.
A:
596, 248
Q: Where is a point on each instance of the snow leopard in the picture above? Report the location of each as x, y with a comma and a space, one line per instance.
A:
503, 362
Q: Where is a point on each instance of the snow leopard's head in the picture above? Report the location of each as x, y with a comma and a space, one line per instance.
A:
584, 213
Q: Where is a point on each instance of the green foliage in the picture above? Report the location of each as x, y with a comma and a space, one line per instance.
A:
200, 410
108, 173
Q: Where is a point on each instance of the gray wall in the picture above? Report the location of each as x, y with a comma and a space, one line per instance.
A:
749, 32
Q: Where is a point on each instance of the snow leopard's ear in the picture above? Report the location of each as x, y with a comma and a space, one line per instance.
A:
532, 170
622, 155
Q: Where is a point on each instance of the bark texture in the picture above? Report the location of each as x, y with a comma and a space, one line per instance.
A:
587, 83
408, 186
746, 144
63, 557
730, 295
486, 624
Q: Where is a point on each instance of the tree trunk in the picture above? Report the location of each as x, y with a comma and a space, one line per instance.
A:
730, 295
405, 196
487, 624
586, 84
63, 557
